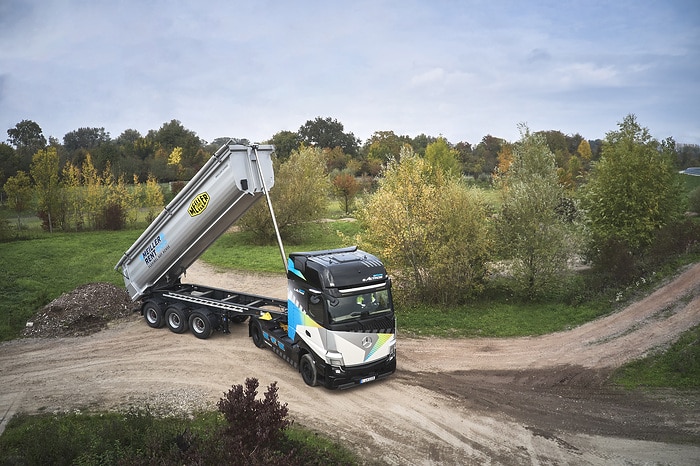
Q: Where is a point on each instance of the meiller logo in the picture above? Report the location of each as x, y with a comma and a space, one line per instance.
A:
198, 204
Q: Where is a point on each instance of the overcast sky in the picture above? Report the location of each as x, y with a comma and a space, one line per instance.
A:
249, 69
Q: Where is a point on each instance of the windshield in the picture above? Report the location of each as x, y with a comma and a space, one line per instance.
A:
361, 305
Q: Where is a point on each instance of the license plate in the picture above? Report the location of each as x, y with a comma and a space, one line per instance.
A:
368, 379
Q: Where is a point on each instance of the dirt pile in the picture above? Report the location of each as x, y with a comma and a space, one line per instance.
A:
83, 311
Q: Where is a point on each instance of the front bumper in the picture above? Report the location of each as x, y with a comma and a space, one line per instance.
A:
346, 377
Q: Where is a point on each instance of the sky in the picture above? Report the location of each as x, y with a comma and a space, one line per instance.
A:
250, 69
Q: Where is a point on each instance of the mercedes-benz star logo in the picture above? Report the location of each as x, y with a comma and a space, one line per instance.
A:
366, 342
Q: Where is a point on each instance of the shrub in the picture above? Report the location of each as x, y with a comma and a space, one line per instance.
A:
694, 200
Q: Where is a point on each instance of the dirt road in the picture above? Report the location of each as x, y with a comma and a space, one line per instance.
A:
539, 400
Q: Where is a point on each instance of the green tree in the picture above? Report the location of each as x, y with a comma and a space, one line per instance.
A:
633, 191
383, 146
44, 172
532, 235
19, 194
300, 195
431, 230
328, 133
27, 138
9, 162
441, 156
285, 143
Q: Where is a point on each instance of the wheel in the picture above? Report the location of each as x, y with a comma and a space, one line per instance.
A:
308, 370
238, 319
176, 319
153, 314
256, 333
201, 325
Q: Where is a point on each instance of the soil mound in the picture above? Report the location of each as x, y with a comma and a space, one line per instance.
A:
83, 311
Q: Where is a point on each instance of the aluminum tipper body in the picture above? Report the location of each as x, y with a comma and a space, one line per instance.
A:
219, 194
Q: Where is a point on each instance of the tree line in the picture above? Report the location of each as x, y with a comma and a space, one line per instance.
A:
617, 204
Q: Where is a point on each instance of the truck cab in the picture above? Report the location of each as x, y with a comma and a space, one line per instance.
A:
340, 326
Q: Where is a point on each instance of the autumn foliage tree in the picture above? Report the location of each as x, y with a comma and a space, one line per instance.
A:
300, 195
44, 172
346, 187
430, 229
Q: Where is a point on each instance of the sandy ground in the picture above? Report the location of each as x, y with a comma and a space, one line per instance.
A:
540, 400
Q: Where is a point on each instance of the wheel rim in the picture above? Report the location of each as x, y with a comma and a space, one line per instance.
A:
174, 320
198, 325
151, 315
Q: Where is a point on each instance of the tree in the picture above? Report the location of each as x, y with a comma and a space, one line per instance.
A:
27, 138
532, 234
328, 133
74, 197
285, 143
44, 172
383, 146
633, 191
9, 162
441, 156
85, 138
487, 151
19, 194
346, 187
431, 231
300, 195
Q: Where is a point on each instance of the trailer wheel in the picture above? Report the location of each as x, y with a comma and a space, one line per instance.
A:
308, 370
176, 319
153, 314
201, 325
256, 333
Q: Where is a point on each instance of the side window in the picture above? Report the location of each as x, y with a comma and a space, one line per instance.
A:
316, 310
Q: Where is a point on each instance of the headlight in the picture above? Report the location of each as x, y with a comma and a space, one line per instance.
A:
334, 359
392, 350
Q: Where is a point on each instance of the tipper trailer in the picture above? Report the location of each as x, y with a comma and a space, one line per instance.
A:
337, 326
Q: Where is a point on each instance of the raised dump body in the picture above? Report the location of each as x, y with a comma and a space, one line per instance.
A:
218, 195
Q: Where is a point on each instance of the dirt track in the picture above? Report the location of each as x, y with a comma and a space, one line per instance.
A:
539, 400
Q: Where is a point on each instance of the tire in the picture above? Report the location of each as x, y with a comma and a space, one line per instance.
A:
153, 314
256, 333
176, 319
201, 324
308, 370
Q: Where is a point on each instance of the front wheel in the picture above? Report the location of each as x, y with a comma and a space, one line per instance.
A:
256, 333
308, 370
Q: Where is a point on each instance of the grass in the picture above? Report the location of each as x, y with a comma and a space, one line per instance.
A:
238, 251
675, 367
36, 271
496, 319
136, 437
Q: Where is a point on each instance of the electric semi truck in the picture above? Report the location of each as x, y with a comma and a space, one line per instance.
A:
337, 326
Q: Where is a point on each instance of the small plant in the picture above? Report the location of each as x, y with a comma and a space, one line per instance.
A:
254, 429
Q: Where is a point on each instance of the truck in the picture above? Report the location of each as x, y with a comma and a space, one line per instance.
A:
337, 327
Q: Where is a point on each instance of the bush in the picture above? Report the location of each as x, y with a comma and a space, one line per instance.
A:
113, 217
694, 200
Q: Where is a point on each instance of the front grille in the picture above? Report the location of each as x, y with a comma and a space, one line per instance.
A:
379, 324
